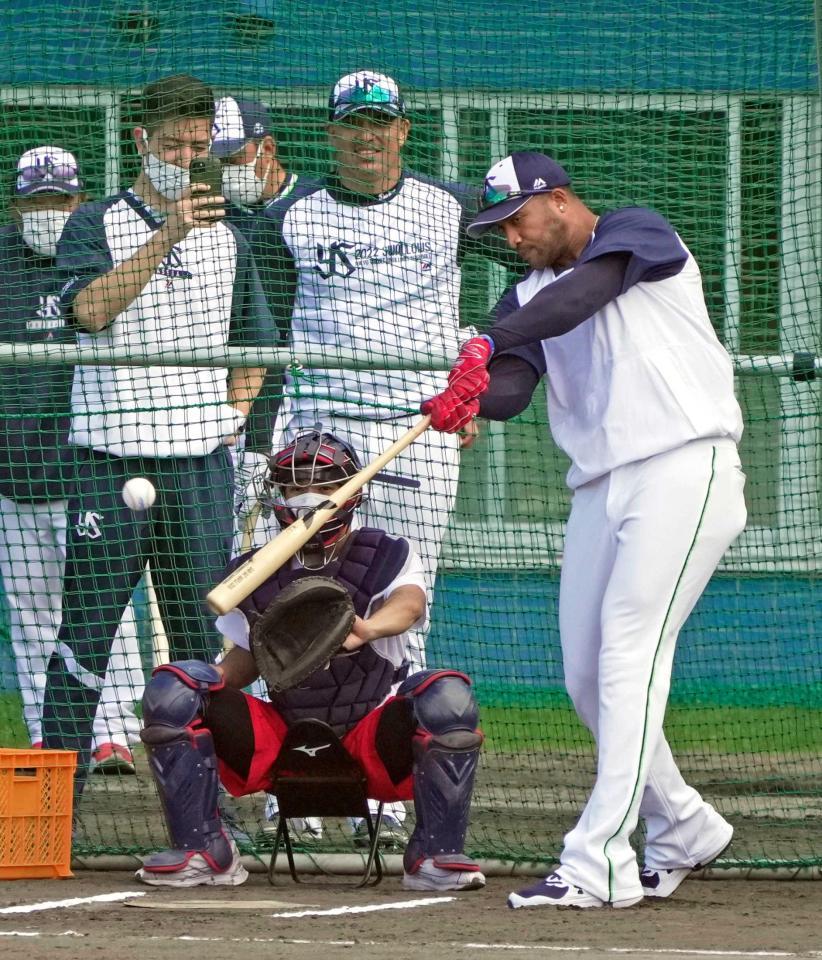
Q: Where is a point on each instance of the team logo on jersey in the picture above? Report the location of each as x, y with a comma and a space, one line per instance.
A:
333, 260
342, 258
49, 313
88, 524
172, 266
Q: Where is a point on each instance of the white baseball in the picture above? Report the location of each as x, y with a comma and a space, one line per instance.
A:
139, 493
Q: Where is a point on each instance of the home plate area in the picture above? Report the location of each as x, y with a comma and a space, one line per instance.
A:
108, 914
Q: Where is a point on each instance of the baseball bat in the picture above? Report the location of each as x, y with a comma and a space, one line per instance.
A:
246, 543
159, 639
269, 558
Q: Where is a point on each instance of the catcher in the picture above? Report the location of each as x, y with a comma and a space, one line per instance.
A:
350, 594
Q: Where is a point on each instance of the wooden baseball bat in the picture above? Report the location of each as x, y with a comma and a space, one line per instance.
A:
268, 559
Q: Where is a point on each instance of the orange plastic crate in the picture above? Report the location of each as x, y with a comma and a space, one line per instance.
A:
36, 794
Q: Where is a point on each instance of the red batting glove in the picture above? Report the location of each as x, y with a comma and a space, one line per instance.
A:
469, 376
448, 413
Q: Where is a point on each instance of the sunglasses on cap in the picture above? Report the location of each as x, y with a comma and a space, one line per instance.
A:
363, 97
374, 95
491, 195
57, 171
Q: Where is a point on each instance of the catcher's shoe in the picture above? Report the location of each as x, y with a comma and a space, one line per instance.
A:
444, 873
554, 891
187, 868
661, 882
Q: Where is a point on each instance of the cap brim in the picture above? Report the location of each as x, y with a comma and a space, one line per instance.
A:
491, 216
227, 148
32, 188
389, 109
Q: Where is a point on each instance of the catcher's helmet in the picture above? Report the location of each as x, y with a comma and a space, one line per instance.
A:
314, 459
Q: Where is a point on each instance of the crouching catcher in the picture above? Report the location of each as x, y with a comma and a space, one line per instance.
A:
421, 743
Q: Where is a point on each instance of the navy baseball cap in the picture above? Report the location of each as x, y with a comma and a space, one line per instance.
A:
235, 123
47, 170
511, 183
365, 90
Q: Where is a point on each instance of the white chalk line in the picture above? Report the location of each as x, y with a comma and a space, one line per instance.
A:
73, 902
551, 948
370, 908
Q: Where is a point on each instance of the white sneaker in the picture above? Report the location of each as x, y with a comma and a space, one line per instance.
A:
393, 835
189, 869
661, 882
306, 830
553, 891
301, 830
444, 873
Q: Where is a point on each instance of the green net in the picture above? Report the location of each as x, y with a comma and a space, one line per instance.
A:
706, 112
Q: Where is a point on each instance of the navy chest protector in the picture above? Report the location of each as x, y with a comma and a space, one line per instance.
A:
342, 693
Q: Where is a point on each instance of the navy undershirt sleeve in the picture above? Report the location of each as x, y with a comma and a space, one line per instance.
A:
513, 381
563, 304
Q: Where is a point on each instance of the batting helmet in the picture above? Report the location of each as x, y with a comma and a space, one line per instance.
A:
314, 460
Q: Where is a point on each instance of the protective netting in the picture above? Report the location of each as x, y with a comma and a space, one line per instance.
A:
706, 112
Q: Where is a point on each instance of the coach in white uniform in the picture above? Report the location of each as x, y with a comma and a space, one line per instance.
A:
640, 397
368, 260
155, 269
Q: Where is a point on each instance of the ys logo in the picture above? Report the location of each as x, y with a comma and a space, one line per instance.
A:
88, 524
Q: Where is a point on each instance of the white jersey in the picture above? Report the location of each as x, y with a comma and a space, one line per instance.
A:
370, 275
204, 295
234, 625
646, 373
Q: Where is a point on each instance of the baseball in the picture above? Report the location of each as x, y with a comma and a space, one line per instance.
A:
139, 493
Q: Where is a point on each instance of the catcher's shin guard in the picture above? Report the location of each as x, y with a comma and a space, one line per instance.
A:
184, 764
446, 749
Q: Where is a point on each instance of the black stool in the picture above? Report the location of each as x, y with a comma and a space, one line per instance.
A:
315, 776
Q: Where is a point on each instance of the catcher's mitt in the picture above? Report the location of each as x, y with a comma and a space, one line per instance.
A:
302, 628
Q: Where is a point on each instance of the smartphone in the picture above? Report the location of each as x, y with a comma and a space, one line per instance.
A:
207, 170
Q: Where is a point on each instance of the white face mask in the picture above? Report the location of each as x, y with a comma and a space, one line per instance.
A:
41, 229
304, 503
169, 180
241, 183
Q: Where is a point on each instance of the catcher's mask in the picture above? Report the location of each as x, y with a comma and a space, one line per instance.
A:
314, 460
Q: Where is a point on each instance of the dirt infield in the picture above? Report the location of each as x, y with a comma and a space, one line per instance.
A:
731, 918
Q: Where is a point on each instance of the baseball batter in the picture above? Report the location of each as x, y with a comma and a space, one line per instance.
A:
640, 397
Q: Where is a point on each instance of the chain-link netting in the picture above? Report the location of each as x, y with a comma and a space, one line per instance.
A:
705, 112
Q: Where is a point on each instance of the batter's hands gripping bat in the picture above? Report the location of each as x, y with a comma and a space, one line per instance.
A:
268, 559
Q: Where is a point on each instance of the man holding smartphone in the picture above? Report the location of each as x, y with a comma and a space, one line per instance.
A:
154, 268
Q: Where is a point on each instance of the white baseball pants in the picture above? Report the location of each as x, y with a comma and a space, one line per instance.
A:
641, 545
32, 560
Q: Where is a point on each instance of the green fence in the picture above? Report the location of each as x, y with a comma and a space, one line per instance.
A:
707, 112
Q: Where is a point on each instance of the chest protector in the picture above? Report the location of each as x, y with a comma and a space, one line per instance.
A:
342, 693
